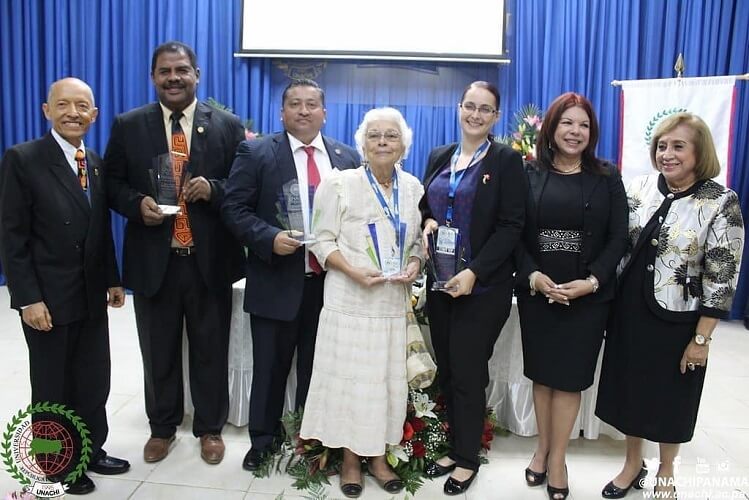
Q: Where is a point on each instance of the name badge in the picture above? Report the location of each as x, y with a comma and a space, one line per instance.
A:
391, 266
447, 238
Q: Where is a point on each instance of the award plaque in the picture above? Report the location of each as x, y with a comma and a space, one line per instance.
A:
445, 257
290, 213
166, 187
387, 257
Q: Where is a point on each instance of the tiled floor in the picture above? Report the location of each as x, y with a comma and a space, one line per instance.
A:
721, 441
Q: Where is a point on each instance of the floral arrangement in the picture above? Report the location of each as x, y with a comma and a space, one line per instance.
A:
248, 124
525, 127
425, 439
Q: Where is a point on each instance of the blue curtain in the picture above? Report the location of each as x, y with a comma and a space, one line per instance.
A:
555, 46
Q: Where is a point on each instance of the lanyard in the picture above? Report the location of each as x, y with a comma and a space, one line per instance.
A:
394, 214
457, 177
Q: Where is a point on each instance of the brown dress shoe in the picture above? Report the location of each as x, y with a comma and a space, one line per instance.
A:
212, 448
156, 449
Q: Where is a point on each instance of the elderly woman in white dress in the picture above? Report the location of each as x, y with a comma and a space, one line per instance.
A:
367, 224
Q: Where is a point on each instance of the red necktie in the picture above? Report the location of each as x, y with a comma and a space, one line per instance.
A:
80, 159
180, 156
313, 180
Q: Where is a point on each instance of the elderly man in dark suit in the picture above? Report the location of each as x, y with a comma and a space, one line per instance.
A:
56, 248
284, 290
180, 267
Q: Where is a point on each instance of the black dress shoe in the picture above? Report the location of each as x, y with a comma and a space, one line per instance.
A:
455, 487
351, 490
108, 465
253, 460
392, 486
82, 486
433, 469
613, 491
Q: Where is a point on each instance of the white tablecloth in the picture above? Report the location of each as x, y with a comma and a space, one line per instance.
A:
509, 392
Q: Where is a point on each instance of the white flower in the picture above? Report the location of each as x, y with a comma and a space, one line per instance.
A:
397, 452
423, 406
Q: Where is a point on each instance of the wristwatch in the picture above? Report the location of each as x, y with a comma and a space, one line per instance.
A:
700, 339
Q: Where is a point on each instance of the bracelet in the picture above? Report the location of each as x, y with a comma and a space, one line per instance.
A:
593, 281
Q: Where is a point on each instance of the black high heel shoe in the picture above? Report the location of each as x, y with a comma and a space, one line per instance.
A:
455, 487
534, 478
562, 492
613, 491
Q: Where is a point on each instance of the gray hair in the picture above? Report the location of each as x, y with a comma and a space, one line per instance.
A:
388, 114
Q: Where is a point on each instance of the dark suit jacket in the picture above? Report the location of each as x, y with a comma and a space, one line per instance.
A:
54, 246
605, 219
274, 282
498, 211
137, 138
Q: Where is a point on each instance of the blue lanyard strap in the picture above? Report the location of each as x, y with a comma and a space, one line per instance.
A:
457, 177
394, 214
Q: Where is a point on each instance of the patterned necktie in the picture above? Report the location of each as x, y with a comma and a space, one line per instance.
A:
180, 156
80, 159
313, 180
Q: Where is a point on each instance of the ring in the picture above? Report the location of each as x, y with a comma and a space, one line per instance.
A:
691, 366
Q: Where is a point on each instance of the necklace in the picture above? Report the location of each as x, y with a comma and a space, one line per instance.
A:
674, 189
577, 166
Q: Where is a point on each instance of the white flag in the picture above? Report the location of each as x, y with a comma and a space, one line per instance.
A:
646, 102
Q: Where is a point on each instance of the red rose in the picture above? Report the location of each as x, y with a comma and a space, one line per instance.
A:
486, 439
488, 426
419, 449
408, 431
418, 424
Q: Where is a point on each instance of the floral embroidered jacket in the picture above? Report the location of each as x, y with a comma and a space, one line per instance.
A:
693, 240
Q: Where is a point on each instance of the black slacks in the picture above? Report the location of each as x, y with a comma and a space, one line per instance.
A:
184, 299
70, 365
464, 331
273, 346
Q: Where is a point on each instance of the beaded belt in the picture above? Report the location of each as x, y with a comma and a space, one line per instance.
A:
560, 240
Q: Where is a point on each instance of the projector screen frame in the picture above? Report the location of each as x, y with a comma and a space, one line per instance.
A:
354, 55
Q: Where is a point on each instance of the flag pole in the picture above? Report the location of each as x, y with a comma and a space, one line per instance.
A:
679, 68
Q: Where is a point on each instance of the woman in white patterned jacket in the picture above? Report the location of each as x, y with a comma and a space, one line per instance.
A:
676, 281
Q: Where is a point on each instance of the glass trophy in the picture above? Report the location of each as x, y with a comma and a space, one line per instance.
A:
445, 261
165, 186
290, 213
387, 256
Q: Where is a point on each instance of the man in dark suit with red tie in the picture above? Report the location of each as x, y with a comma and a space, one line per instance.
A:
284, 289
180, 267
56, 248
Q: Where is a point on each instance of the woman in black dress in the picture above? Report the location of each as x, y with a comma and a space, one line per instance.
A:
676, 281
575, 235
475, 193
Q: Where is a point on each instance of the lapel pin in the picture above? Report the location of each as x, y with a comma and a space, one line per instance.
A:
486, 178
201, 130
96, 171
337, 151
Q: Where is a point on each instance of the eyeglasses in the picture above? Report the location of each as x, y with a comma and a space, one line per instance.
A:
389, 135
470, 107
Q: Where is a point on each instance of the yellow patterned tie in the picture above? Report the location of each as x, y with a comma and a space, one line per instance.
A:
80, 159
180, 156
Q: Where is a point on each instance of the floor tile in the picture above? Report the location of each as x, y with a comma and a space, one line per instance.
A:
151, 491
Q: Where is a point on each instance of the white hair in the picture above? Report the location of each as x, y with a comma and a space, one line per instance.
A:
385, 114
